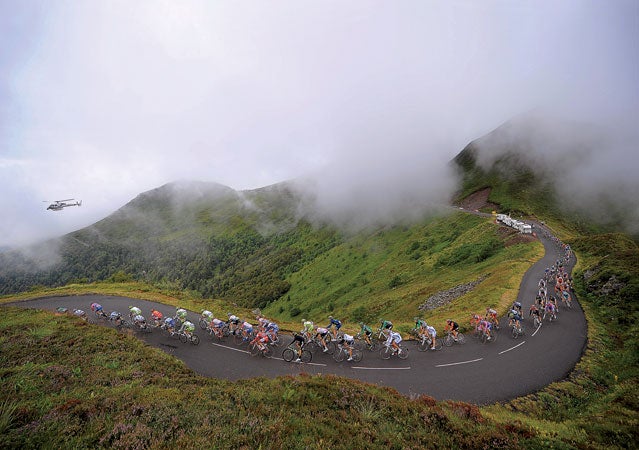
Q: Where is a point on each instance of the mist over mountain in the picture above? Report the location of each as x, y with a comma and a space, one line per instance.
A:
221, 242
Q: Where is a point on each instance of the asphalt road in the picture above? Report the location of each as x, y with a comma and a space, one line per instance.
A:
473, 372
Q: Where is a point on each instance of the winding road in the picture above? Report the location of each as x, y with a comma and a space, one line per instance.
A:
473, 372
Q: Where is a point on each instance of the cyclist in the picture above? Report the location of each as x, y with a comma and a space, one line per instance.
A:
394, 338
432, 334
233, 322
271, 330
367, 332
534, 312
386, 325
474, 321
337, 323
491, 316
134, 311
260, 339
517, 306
420, 326
348, 342
550, 309
215, 326
485, 326
320, 333
247, 330
298, 341
307, 328
262, 322
115, 317
140, 321
452, 327
565, 295
80, 313
156, 317
187, 328
97, 309
207, 315
169, 324
515, 318
180, 313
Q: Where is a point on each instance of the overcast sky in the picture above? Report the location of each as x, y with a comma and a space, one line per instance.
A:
102, 100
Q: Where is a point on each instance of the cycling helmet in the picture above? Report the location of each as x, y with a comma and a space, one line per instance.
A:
518, 304
415, 319
361, 324
330, 317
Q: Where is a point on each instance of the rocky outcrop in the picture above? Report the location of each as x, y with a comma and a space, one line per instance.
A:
444, 297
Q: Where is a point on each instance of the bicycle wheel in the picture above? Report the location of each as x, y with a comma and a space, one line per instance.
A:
448, 340
331, 348
374, 346
339, 355
312, 346
357, 355
203, 323
306, 356
461, 339
439, 344
183, 338
288, 354
268, 351
195, 339
402, 353
238, 338
254, 349
385, 353
226, 330
423, 345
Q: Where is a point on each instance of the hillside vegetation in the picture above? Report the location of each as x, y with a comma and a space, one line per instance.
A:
223, 249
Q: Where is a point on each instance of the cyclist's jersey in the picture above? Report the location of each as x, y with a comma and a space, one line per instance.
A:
421, 324
234, 319
393, 337
485, 325
217, 323
135, 311
387, 324
139, 318
188, 326
272, 326
566, 294
431, 330
181, 313
534, 311
308, 326
514, 314
348, 339
96, 307
452, 326
335, 322
366, 329
322, 331
263, 322
79, 313
115, 315
156, 315
262, 337
247, 326
207, 315
170, 321
550, 306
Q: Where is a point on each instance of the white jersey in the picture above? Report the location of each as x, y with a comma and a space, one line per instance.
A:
431, 330
394, 337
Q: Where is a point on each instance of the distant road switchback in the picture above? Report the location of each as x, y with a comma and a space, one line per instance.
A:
473, 372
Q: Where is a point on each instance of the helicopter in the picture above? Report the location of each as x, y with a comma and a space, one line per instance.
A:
59, 205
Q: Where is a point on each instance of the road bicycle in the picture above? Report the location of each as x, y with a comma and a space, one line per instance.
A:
291, 352
517, 330
315, 344
425, 342
373, 346
257, 348
552, 315
387, 351
536, 320
191, 338
486, 336
342, 353
450, 339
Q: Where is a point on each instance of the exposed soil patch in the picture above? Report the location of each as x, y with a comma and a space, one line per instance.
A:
478, 200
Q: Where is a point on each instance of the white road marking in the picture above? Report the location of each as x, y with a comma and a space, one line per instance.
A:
230, 348
536, 330
380, 368
512, 348
461, 362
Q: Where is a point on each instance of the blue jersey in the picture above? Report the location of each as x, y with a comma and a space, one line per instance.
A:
335, 322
